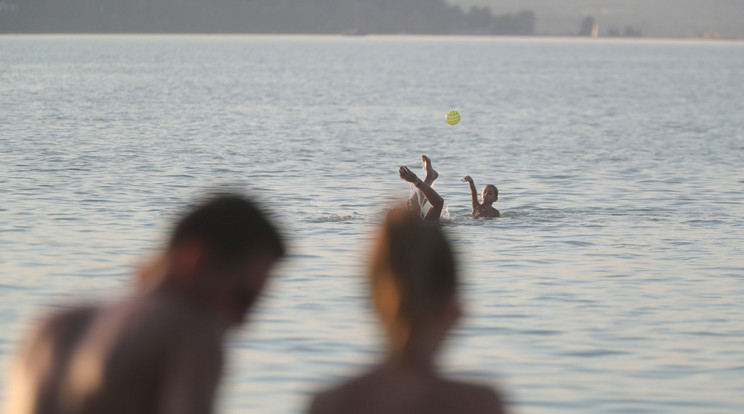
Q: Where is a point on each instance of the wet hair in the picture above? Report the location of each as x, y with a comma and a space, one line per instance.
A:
495, 190
417, 257
230, 225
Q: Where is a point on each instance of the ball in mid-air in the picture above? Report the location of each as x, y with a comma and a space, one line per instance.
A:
452, 117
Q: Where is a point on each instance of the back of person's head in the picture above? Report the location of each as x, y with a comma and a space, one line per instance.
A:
413, 273
230, 226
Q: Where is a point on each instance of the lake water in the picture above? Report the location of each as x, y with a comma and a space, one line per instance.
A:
613, 283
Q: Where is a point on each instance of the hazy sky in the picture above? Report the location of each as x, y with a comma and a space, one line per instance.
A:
654, 17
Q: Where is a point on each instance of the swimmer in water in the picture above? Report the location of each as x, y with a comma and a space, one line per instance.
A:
489, 195
424, 188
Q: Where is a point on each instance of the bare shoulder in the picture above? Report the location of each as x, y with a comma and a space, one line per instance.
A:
323, 402
485, 211
328, 401
64, 324
161, 324
68, 316
335, 399
374, 393
470, 398
56, 332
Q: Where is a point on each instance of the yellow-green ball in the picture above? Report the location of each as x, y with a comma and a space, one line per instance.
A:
452, 117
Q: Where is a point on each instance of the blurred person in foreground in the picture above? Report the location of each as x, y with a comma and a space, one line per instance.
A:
160, 350
413, 283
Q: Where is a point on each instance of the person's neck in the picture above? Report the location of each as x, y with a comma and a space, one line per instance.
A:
196, 300
418, 359
171, 288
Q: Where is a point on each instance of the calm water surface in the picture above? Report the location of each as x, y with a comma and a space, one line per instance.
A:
612, 283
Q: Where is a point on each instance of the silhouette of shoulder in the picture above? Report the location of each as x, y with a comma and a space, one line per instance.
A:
157, 330
485, 211
158, 351
65, 323
57, 333
392, 394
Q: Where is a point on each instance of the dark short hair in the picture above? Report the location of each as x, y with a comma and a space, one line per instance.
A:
231, 225
495, 190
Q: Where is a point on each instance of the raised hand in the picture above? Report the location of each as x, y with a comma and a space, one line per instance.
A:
473, 192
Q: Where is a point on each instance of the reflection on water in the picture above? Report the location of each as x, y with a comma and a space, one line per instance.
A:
610, 284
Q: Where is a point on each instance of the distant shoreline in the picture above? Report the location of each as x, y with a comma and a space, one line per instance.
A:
475, 37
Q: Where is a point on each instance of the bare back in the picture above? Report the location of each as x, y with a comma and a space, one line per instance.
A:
139, 356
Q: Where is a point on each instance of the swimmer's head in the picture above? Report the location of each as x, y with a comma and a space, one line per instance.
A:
489, 194
413, 278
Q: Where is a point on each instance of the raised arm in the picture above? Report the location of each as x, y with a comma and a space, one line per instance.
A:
473, 191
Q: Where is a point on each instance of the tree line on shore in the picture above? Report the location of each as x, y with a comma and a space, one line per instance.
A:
257, 16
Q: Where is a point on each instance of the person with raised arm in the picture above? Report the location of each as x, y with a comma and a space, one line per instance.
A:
488, 196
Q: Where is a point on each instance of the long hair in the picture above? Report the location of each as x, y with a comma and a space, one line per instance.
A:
412, 273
